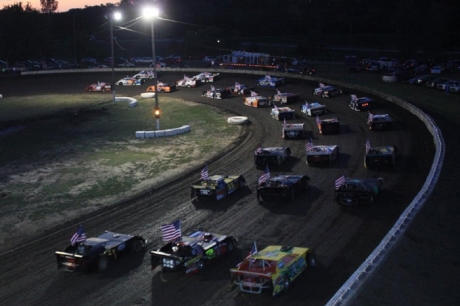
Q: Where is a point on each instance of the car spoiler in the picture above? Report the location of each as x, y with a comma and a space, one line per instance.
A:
68, 261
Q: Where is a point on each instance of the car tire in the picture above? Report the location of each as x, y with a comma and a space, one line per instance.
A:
286, 283
230, 246
103, 264
237, 120
311, 260
136, 246
199, 265
120, 84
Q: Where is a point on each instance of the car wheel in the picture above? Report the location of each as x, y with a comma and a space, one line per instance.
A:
311, 260
230, 246
200, 265
103, 264
120, 84
286, 283
137, 246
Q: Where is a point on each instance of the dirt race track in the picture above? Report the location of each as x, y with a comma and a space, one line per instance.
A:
342, 238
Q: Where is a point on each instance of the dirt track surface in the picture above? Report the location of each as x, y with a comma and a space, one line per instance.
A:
341, 238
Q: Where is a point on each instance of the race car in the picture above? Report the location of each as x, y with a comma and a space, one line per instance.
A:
270, 156
326, 91
269, 81
379, 122
217, 187
359, 104
294, 131
328, 126
240, 89
99, 86
216, 93
130, 81
145, 74
355, 191
285, 97
323, 154
193, 252
273, 268
282, 113
313, 109
162, 87
382, 156
282, 187
98, 252
206, 77
256, 101
188, 82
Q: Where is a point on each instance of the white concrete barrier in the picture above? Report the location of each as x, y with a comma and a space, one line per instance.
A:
140, 134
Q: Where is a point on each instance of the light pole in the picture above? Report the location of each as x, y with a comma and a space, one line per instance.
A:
116, 16
151, 13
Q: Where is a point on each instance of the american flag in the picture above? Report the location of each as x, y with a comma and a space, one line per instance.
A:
205, 173
253, 249
321, 85
253, 93
370, 117
275, 107
284, 122
368, 145
268, 77
309, 146
318, 121
354, 98
213, 88
259, 150
278, 92
171, 231
264, 176
78, 236
237, 86
306, 104
340, 181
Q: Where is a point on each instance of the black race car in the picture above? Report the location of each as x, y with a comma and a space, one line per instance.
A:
329, 126
193, 252
97, 252
357, 191
380, 122
322, 155
271, 156
282, 187
360, 104
217, 187
383, 156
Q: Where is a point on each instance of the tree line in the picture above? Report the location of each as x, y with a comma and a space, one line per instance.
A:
219, 26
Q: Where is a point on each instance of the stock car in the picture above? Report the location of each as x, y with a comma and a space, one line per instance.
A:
145, 74
216, 93
216, 187
256, 101
193, 252
273, 268
294, 131
327, 91
99, 86
282, 187
188, 82
285, 97
282, 113
328, 126
240, 89
270, 156
269, 81
360, 104
313, 109
356, 191
323, 154
98, 252
380, 122
162, 87
382, 156
206, 77
130, 81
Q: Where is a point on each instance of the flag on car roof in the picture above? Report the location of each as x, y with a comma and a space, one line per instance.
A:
264, 176
275, 107
213, 88
268, 77
309, 146
354, 98
370, 117
368, 145
78, 236
171, 231
340, 181
306, 104
205, 173
318, 121
253, 249
253, 93
237, 86
259, 150
321, 85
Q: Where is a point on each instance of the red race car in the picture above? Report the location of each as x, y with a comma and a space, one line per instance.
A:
99, 86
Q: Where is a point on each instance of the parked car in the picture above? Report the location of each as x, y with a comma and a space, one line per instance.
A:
436, 69
446, 85
421, 80
434, 83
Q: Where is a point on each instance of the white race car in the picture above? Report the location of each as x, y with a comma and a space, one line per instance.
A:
206, 77
285, 97
216, 93
188, 82
144, 74
314, 108
129, 81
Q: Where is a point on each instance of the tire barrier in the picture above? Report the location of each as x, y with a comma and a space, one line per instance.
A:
147, 95
163, 133
238, 120
131, 101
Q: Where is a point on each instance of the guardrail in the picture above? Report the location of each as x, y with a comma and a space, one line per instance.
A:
356, 282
